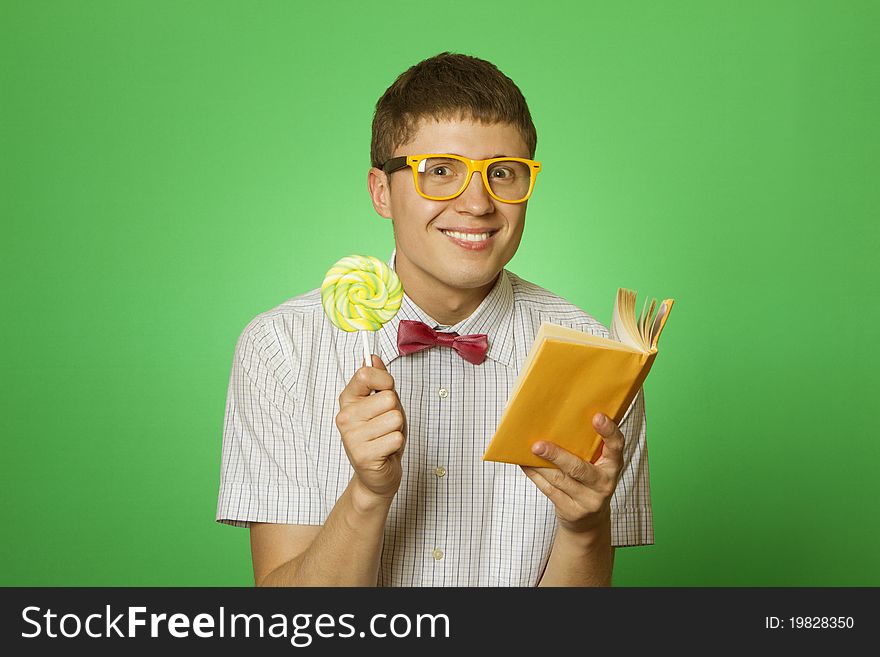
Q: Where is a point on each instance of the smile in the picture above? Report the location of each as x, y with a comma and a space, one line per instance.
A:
471, 241
470, 237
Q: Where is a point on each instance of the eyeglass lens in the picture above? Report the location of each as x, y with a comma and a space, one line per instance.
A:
439, 176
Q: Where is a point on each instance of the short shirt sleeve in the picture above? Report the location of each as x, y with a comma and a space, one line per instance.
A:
266, 474
631, 518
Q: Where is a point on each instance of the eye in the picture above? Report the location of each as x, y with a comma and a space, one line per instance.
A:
440, 171
502, 172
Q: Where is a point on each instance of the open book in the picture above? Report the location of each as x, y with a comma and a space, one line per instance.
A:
570, 375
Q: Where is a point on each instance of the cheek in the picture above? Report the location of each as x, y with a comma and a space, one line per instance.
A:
413, 211
516, 220
422, 215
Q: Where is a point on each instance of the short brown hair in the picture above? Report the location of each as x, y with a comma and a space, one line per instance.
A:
447, 86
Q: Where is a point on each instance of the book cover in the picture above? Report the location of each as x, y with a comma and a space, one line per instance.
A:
569, 376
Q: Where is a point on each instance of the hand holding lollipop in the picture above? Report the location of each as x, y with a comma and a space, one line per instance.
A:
361, 293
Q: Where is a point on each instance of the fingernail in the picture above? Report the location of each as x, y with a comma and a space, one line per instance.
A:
538, 448
601, 420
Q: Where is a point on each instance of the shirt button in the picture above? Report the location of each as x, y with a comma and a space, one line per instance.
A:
438, 554
440, 472
443, 392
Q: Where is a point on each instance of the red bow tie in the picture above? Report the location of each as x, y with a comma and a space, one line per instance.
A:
413, 336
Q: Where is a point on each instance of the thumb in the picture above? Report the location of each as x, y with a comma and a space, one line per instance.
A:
377, 362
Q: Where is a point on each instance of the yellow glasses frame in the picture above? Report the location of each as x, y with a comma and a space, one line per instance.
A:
397, 163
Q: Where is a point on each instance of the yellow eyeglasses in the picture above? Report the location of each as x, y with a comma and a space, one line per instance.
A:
440, 177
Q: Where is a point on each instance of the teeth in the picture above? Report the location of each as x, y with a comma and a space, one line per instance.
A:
467, 236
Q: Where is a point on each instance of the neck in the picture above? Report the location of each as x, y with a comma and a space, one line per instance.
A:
448, 305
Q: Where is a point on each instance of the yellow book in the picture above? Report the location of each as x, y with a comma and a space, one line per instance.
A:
569, 376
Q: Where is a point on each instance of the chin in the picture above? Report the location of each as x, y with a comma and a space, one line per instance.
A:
463, 281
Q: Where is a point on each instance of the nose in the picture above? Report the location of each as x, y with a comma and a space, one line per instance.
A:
475, 198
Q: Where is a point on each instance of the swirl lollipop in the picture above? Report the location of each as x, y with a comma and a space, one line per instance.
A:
361, 293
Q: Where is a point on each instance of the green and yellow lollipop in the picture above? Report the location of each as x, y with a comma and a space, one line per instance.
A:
361, 293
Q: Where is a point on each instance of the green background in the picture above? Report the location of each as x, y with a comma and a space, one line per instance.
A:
171, 169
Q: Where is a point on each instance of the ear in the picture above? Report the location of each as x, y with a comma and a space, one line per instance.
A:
380, 191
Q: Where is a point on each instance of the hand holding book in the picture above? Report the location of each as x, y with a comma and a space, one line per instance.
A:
580, 491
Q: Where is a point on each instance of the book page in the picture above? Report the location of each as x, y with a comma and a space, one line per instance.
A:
623, 320
660, 321
640, 332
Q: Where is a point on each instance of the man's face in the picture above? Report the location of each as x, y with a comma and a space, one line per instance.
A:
433, 261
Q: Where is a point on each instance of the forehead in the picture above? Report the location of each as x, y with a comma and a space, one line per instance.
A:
465, 137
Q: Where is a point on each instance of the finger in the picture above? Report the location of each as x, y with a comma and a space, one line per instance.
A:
561, 500
365, 380
378, 426
364, 409
581, 493
384, 446
612, 437
377, 363
367, 408
569, 464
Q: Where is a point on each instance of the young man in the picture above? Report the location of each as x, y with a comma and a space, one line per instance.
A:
343, 487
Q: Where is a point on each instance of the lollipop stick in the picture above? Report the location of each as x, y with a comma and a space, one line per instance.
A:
368, 356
